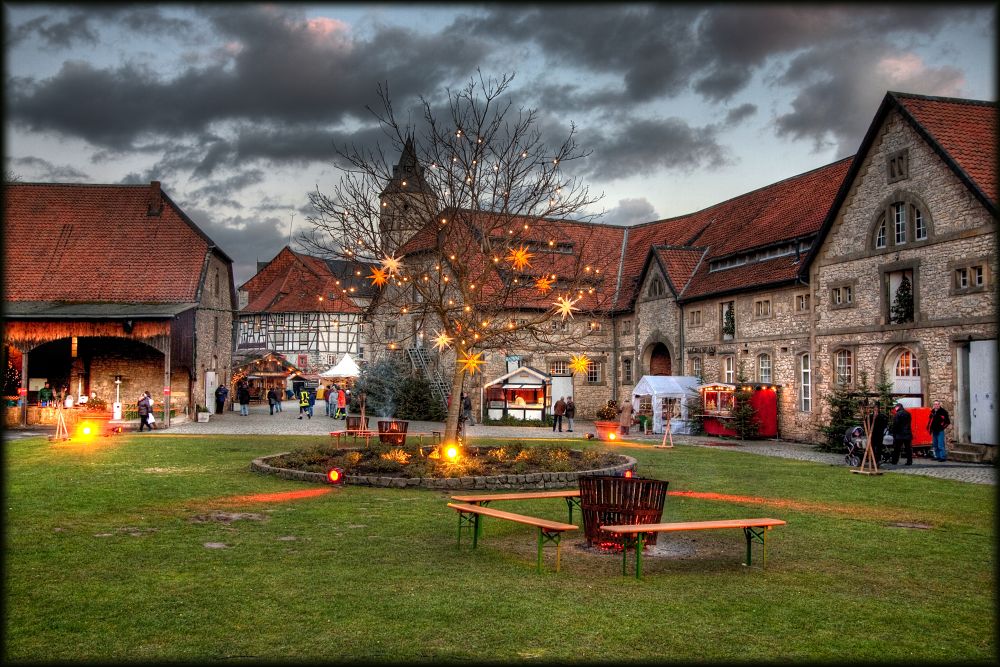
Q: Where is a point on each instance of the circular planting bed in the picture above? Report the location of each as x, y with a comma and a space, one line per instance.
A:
509, 467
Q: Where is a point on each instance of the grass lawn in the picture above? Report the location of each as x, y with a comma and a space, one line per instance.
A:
105, 559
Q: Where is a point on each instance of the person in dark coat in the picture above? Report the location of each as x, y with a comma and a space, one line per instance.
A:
938, 422
570, 413
902, 435
144, 406
221, 393
243, 396
879, 424
272, 399
558, 410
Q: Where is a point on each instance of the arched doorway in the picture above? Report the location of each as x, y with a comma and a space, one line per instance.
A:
659, 360
903, 369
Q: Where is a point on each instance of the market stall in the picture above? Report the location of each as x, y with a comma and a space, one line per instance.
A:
522, 393
344, 373
717, 408
665, 399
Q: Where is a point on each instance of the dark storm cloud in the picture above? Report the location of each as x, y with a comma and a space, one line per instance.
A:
644, 146
279, 68
838, 91
79, 26
224, 188
38, 169
245, 238
629, 212
740, 113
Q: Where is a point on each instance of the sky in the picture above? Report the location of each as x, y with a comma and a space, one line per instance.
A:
237, 108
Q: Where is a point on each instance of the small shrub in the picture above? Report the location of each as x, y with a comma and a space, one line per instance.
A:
397, 455
609, 412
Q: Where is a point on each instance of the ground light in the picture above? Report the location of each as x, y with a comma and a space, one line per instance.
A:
335, 476
451, 453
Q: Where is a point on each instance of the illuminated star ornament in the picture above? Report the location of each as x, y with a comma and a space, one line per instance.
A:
391, 264
565, 306
442, 340
578, 363
378, 277
543, 284
519, 258
471, 363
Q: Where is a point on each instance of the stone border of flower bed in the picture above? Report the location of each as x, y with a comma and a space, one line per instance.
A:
536, 480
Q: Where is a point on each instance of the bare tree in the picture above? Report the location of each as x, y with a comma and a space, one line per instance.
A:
478, 233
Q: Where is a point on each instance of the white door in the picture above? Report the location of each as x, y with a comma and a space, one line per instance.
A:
983, 391
562, 385
211, 383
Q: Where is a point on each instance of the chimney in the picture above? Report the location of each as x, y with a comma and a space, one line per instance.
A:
155, 203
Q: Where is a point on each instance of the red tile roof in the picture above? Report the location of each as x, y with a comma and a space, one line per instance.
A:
965, 129
680, 264
294, 282
95, 243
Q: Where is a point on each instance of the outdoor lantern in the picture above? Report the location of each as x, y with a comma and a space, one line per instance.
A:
451, 453
335, 476
628, 474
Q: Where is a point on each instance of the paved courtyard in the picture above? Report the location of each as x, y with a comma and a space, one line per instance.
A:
260, 422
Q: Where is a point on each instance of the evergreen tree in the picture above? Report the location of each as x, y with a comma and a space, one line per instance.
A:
744, 416
902, 305
729, 322
845, 412
696, 409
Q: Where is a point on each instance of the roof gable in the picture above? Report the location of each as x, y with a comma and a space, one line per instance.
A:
97, 243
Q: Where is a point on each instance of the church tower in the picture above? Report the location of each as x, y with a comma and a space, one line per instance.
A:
408, 202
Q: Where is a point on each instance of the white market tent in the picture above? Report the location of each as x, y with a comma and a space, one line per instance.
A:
345, 368
678, 388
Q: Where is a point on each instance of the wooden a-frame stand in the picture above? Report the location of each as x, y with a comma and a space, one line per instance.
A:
869, 466
62, 433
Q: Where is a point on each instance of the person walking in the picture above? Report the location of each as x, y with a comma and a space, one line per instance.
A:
272, 399
143, 405
467, 409
243, 396
221, 393
558, 410
570, 413
902, 435
312, 402
304, 403
625, 417
151, 416
938, 422
341, 403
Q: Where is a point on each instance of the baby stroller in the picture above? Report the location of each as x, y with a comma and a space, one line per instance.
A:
855, 442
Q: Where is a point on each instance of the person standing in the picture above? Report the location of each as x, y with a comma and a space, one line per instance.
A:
221, 393
625, 417
45, 395
879, 426
151, 417
312, 402
341, 403
570, 413
467, 409
143, 406
272, 399
304, 403
558, 410
243, 396
938, 422
902, 435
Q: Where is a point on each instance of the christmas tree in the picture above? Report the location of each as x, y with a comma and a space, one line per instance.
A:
902, 305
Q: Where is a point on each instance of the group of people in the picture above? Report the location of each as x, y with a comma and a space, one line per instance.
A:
564, 407
337, 399
901, 431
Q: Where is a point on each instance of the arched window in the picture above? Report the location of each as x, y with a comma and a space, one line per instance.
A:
906, 365
656, 287
899, 223
844, 360
805, 384
764, 368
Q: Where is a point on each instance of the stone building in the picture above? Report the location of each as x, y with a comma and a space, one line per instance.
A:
793, 285
113, 290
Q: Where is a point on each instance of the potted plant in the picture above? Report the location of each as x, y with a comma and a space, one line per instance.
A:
203, 413
607, 421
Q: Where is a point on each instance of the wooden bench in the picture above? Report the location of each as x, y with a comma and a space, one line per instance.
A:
571, 496
755, 530
548, 531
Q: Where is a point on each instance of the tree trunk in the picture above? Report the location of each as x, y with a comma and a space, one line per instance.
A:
455, 406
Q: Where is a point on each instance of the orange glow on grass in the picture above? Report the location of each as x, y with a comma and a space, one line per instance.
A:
276, 497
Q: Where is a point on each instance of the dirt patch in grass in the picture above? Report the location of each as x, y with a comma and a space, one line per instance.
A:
227, 517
